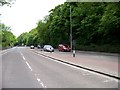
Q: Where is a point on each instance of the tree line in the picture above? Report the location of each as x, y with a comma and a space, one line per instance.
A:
95, 26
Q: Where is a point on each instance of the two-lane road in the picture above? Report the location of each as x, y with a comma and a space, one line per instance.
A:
22, 68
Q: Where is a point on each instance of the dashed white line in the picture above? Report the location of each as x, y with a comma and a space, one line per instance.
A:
28, 65
39, 81
21, 54
42, 84
23, 58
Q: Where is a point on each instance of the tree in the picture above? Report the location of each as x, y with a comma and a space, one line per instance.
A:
110, 24
7, 37
6, 2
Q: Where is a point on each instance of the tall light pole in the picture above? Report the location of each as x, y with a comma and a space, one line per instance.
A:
70, 30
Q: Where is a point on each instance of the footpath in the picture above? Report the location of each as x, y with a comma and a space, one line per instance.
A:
107, 64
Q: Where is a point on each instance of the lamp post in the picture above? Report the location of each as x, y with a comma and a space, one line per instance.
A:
71, 40
70, 30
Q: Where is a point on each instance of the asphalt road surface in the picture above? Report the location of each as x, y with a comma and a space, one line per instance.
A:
22, 68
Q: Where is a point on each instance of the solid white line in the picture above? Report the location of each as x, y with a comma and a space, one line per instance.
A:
77, 67
4, 53
28, 65
106, 81
86, 70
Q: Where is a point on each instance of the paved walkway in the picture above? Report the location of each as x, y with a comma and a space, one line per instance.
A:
101, 63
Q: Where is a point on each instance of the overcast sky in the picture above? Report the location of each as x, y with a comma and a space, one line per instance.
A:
24, 14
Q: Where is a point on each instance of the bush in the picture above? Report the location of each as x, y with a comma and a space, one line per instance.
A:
100, 48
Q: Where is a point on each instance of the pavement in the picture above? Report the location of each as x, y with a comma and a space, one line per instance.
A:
101, 62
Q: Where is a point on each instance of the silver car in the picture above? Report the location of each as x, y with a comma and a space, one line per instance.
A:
32, 47
48, 48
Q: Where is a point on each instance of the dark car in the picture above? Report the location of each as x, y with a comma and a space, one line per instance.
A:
64, 47
32, 47
48, 48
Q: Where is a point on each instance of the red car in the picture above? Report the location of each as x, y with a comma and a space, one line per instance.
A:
64, 47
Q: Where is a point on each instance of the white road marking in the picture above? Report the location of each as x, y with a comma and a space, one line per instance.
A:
86, 73
40, 82
106, 81
21, 54
28, 65
38, 79
77, 67
23, 58
4, 53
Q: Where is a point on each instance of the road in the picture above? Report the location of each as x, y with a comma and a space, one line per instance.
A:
23, 68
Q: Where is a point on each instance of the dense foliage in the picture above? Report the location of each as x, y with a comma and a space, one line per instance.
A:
7, 38
6, 2
94, 25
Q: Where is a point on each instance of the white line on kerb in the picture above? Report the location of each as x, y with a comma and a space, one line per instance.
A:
28, 65
77, 67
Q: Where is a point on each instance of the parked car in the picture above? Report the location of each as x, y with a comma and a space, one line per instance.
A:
32, 47
38, 46
64, 47
48, 48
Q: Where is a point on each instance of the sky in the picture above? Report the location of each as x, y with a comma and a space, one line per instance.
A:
24, 14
